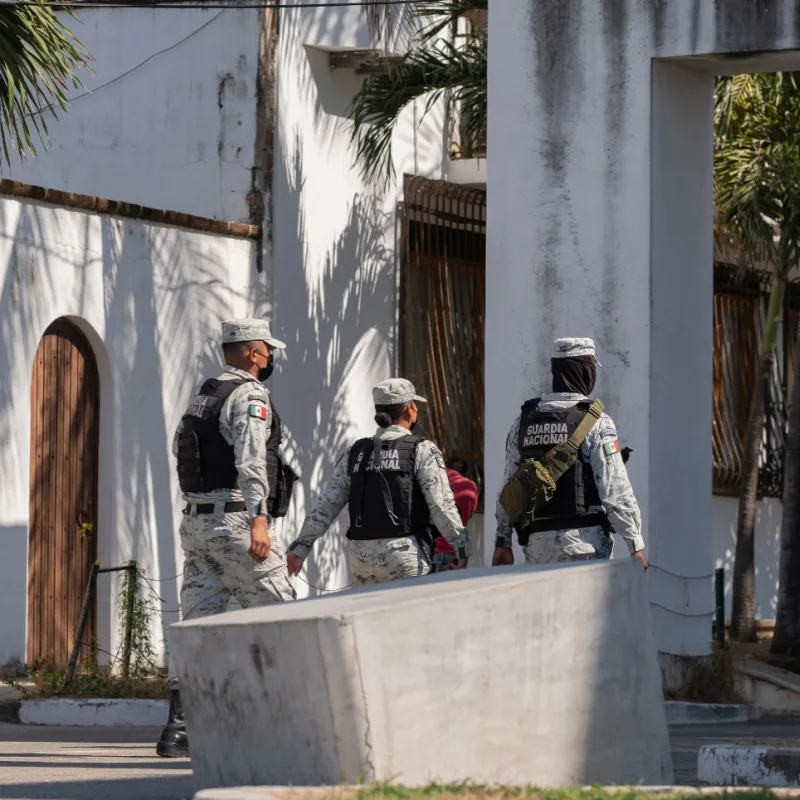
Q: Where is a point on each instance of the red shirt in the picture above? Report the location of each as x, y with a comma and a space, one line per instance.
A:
466, 494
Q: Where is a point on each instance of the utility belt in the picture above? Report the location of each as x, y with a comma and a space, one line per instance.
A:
596, 519
221, 507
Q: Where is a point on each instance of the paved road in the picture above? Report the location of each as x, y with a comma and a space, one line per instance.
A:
88, 764
120, 763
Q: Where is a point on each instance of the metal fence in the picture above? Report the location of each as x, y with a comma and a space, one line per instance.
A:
740, 305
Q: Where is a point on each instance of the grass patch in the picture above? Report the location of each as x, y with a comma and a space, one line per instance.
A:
94, 682
466, 791
99, 683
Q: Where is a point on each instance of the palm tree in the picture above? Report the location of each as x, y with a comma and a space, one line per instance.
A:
38, 60
434, 68
757, 196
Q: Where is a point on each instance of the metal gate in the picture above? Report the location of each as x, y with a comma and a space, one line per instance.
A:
443, 312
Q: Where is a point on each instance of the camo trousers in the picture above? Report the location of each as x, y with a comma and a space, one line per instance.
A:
383, 560
559, 547
216, 567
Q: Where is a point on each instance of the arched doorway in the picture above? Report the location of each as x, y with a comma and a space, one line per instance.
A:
65, 411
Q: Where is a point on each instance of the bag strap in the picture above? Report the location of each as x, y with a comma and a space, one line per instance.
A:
562, 456
586, 424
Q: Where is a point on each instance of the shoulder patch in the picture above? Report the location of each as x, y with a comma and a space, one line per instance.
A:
439, 461
608, 433
611, 449
259, 412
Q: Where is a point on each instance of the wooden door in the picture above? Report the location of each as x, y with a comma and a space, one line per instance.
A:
65, 405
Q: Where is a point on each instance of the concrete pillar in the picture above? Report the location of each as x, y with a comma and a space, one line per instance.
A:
600, 224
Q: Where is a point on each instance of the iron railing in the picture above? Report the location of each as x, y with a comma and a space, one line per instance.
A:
740, 306
443, 313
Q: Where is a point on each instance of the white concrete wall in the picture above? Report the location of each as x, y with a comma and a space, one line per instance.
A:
768, 542
600, 196
150, 298
335, 264
167, 119
176, 130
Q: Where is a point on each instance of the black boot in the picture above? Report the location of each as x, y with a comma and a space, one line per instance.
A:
173, 742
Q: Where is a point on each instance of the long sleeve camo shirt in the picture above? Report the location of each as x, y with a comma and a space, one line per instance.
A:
429, 470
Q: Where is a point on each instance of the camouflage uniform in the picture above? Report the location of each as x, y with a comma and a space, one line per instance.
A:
381, 560
216, 562
611, 479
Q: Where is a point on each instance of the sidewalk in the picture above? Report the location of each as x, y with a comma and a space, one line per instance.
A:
120, 763
88, 764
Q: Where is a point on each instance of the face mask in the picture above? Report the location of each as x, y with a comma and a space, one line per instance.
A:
265, 372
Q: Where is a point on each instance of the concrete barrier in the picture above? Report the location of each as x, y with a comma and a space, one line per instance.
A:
679, 713
741, 765
523, 675
76, 712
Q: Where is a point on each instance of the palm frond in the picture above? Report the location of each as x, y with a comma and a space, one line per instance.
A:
757, 165
444, 13
39, 57
455, 74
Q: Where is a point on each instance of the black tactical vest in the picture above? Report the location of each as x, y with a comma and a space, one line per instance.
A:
205, 460
576, 492
386, 500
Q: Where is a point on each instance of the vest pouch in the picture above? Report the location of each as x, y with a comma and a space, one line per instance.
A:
190, 472
279, 505
527, 492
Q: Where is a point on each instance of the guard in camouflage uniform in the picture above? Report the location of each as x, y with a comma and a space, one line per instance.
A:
399, 497
232, 480
595, 496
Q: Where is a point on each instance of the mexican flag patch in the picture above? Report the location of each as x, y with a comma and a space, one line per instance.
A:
260, 412
611, 448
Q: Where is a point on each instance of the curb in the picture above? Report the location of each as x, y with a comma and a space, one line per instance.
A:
732, 765
304, 792
709, 713
72, 712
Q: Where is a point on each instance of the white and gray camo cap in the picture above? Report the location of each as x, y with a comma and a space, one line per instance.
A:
250, 330
395, 392
572, 348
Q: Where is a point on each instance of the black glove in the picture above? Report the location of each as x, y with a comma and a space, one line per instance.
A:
626, 454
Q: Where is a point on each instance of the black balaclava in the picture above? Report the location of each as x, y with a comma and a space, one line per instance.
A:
574, 375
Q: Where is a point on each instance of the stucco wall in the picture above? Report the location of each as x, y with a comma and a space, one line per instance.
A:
335, 264
601, 225
150, 299
768, 540
167, 120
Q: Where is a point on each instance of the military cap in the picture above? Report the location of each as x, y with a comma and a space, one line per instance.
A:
250, 330
394, 392
572, 348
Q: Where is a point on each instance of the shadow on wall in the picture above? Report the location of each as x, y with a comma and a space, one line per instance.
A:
14, 544
157, 294
336, 329
165, 297
27, 297
768, 550
335, 275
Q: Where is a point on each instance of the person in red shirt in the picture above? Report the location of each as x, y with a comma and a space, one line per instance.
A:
466, 495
